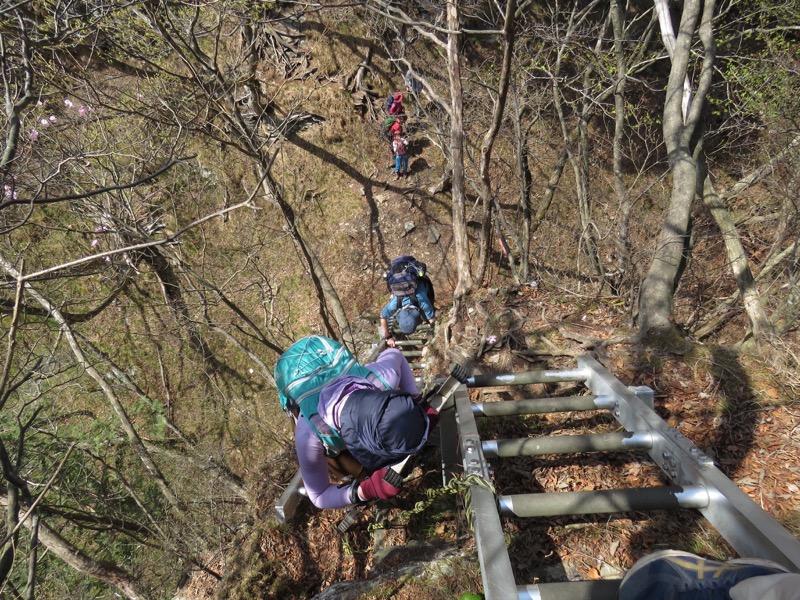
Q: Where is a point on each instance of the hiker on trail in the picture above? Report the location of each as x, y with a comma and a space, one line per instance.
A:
397, 127
400, 149
413, 85
392, 127
394, 104
412, 298
375, 410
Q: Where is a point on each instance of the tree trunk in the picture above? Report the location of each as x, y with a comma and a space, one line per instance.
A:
460, 238
550, 190
580, 166
524, 178
682, 133
328, 298
623, 250
488, 143
577, 148
97, 569
717, 318
759, 322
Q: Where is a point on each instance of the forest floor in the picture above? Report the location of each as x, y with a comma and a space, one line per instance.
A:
736, 409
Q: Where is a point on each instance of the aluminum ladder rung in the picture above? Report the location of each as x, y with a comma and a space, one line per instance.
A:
409, 342
538, 406
567, 444
528, 377
558, 404
559, 504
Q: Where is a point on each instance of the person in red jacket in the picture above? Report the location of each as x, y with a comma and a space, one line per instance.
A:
396, 107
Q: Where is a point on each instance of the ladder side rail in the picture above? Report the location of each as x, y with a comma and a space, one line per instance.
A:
495, 563
746, 526
286, 506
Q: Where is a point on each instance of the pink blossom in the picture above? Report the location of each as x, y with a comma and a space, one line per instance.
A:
34, 135
52, 119
95, 243
84, 110
44, 122
139, 96
68, 103
39, 103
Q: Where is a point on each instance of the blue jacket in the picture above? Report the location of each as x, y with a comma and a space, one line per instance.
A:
422, 299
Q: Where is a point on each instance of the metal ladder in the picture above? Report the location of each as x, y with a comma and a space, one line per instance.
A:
694, 481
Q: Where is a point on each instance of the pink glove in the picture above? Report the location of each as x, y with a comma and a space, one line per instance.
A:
433, 417
376, 487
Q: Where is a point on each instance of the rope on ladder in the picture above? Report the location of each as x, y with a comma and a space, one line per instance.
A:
463, 483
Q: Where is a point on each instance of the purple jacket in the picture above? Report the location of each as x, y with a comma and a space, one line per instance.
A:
393, 368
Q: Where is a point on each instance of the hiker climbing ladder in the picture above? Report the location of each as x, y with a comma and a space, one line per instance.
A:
695, 482
412, 348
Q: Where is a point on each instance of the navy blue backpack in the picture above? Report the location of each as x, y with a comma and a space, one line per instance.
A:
382, 427
405, 275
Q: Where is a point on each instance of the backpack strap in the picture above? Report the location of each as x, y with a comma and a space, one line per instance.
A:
331, 439
413, 300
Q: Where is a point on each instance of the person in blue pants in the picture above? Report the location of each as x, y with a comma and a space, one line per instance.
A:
408, 312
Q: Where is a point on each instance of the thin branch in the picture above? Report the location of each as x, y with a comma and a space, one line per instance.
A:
39, 497
166, 240
105, 190
12, 342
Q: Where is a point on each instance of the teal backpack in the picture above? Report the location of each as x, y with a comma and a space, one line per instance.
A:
303, 370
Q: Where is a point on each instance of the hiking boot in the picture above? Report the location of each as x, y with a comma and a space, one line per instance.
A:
396, 176
684, 576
